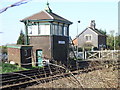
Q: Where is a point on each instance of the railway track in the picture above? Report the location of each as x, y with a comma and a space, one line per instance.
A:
26, 78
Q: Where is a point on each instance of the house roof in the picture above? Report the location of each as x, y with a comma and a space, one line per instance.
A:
47, 15
95, 30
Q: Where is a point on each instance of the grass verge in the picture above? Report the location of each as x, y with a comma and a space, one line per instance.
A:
6, 68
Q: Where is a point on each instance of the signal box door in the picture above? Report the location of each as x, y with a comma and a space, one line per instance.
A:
39, 58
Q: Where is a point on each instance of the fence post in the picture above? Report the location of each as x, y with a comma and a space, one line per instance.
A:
85, 55
99, 54
112, 54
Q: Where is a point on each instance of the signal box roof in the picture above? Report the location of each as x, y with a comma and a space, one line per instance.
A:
46, 16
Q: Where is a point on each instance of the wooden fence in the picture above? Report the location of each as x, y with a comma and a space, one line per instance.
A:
104, 54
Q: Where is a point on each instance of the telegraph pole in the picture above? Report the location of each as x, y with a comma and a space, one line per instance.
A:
77, 38
114, 41
77, 45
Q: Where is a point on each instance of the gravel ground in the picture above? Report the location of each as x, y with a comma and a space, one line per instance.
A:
106, 78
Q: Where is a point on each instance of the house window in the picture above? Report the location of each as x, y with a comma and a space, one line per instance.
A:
39, 30
33, 30
54, 30
88, 37
60, 30
44, 30
30, 30
65, 31
47, 30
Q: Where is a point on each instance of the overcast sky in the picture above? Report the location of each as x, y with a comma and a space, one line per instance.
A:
104, 12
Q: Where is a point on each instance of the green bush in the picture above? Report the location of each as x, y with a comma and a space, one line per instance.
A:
6, 67
3, 49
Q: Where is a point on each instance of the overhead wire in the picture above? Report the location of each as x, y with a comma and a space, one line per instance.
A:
13, 5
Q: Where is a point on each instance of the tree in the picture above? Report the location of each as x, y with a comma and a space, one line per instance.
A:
3, 49
103, 31
110, 41
117, 38
21, 39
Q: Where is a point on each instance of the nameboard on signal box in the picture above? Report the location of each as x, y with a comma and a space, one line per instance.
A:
61, 42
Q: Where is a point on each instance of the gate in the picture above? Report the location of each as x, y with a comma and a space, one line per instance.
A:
106, 54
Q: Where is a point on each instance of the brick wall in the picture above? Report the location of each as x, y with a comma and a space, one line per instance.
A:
14, 55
